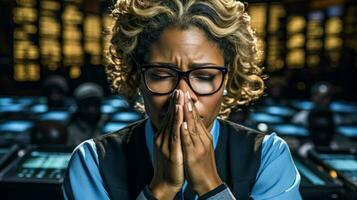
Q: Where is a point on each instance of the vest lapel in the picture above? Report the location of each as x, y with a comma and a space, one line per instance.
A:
140, 168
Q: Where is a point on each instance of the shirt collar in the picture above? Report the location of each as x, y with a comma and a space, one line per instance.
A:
149, 136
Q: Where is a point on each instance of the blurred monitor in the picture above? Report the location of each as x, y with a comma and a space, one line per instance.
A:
110, 127
308, 177
15, 131
258, 117
343, 107
44, 165
39, 108
316, 184
348, 131
5, 101
116, 102
16, 126
13, 108
344, 164
302, 105
108, 109
39, 165
282, 111
25, 101
62, 116
127, 116
290, 130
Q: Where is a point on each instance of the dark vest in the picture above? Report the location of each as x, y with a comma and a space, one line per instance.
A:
126, 168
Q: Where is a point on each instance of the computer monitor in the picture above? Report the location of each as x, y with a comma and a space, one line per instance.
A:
343, 107
290, 130
15, 126
345, 164
282, 111
259, 117
39, 108
44, 165
348, 131
62, 116
108, 109
126, 116
11, 108
113, 126
302, 105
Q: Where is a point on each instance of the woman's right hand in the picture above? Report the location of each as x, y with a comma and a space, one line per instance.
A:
168, 158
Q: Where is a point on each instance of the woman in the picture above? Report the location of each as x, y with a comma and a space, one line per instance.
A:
192, 61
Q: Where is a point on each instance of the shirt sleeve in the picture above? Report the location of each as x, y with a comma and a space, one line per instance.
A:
83, 179
277, 178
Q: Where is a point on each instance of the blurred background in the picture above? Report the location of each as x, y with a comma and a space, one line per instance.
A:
54, 93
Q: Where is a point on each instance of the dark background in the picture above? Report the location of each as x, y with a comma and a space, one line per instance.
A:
304, 42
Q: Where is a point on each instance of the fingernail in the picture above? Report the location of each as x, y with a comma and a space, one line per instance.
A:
189, 106
185, 125
177, 94
188, 95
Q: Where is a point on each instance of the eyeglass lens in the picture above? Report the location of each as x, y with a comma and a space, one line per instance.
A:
202, 81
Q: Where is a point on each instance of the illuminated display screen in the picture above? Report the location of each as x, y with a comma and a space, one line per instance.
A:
343, 107
117, 103
113, 126
55, 115
44, 165
16, 126
348, 131
5, 101
278, 110
308, 176
39, 108
265, 118
126, 116
340, 161
303, 105
108, 109
344, 163
47, 160
12, 108
290, 129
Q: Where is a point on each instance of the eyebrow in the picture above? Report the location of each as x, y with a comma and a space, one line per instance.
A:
193, 65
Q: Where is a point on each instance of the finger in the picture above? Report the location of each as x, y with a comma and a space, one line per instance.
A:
179, 116
186, 141
176, 149
168, 127
191, 118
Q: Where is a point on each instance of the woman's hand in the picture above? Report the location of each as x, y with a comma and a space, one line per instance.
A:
198, 152
168, 158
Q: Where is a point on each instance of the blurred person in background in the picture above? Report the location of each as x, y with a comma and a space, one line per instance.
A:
320, 120
87, 120
55, 89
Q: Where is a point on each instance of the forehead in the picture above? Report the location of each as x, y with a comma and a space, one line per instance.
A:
184, 46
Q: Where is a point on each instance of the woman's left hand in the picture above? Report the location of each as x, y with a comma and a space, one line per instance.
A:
198, 152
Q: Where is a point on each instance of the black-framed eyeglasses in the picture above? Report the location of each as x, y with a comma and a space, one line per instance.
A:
164, 80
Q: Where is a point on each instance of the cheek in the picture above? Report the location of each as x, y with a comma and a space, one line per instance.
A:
209, 108
155, 106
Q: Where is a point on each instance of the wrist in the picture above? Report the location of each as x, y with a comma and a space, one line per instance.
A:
208, 186
163, 191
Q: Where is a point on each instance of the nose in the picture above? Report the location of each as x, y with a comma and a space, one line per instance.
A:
184, 87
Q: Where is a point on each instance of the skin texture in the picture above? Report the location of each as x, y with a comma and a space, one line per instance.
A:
183, 120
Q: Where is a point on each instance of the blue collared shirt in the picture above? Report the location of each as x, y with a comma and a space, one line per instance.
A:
277, 177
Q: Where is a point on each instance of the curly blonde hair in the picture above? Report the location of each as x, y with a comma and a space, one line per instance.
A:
139, 23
